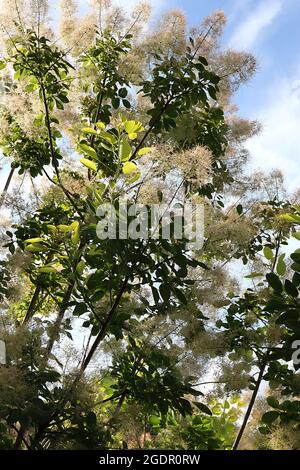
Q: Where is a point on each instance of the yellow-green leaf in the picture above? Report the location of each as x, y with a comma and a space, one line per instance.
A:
31, 87
89, 164
75, 237
110, 138
296, 235
47, 269
125, 150
132, 136
100, 125
80, 267
75, 225
290, 218
34, 240
254, 275
89, 130
35, 248
88, 150
130, 126
65, 228
144, 151
268, 253
129, 167
281, 266
133, 127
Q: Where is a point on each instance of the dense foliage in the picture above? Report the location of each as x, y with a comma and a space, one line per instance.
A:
139, 343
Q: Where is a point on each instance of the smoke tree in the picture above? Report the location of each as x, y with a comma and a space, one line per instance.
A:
109, 342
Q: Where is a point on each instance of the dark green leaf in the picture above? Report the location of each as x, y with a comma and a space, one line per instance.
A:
274, 282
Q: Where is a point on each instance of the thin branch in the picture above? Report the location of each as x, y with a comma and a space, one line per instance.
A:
6, 187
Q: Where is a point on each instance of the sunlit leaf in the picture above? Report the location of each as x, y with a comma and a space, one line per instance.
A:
88, 150
89, 130
144, 151
125, 150
129, 167
89, 164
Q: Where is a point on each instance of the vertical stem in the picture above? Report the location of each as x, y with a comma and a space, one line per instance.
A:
251, 404
32, 305
19, 440
263, 366
102, 332
8, 181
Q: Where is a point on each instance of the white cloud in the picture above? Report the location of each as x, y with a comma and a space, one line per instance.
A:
278, 146
249, 30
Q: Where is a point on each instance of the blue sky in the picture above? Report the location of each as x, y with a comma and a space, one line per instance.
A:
270, 30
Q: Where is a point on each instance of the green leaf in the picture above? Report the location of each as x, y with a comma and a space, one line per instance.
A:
109, 137
273, 402
296, 267
268, 253
34, 240
88, 150
89, 130
296, 279
123, 92
126, 104
89, 164
80, 309
296, 235
154, 420
281, 266
165, 292
31, 87
54, 119
290, 218
36, 248
269, 417
203, 408
115, 102
2, 65
288, 316
47, 270
274, 282
290, 289
254, 275
132, 136
180, 295
125, 150
65, 228
295, 257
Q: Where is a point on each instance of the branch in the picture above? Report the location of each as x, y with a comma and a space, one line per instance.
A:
48, 126
7, 184
251, 404
103, 330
